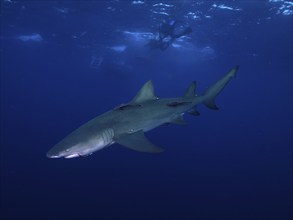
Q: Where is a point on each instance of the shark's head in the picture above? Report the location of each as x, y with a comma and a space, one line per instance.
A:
76, 145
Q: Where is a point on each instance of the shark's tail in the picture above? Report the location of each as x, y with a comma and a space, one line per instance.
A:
212, 92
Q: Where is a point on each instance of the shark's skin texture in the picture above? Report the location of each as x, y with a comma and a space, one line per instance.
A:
127, 123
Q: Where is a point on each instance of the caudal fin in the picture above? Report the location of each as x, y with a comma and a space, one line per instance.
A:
212, 92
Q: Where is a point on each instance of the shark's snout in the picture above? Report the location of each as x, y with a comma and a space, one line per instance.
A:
51, 154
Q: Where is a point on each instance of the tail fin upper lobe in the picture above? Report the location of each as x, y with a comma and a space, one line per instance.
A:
212, 92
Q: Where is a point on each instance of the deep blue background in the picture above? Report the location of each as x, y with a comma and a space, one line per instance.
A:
235, 163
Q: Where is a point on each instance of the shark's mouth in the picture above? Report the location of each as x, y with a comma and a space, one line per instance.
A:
77, 155
72, 156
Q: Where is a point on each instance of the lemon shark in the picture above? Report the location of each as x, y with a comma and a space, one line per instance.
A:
127, 123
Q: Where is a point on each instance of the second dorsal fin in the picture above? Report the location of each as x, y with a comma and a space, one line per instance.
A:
190, 92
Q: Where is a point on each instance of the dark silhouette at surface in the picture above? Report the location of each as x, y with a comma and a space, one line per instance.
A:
168, 32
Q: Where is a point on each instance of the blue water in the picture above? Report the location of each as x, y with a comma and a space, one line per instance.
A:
65, 62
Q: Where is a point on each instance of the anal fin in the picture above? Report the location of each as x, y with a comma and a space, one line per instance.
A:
178, 120
138, 142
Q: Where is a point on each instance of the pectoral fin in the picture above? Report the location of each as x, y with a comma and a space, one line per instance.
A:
137, 141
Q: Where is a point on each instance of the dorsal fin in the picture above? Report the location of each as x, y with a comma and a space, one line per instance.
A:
146, 93
190, 92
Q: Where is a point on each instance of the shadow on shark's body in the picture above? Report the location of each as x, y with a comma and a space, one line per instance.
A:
127, 123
